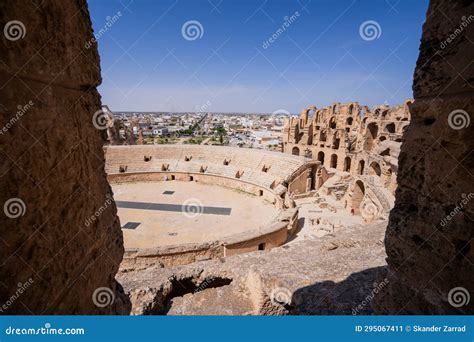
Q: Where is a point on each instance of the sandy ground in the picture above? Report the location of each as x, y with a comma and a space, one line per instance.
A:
160, 228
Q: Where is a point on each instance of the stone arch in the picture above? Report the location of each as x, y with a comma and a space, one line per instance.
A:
318, 116
321, 157
336, 141
364, 121
333, 163
323, 136
360, 167
349, 121
375, 169
358, 193
390, 128
332, 123
371, 135
295, 151
347, 164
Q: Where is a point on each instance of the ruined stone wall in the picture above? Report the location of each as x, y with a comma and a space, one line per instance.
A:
429, 237
349, 137
60, 238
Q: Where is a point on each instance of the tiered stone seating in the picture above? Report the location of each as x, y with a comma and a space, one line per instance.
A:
190, 158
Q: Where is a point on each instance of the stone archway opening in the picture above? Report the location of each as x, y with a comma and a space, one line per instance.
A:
321, 157
375, 169
347, 164
360, 167
295, 151
333, 163
357, 196
390, 128
371, 135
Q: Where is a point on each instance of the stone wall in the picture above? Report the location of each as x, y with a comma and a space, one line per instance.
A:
429, 237
54, 251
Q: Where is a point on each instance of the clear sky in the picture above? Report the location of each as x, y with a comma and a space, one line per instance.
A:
322, 54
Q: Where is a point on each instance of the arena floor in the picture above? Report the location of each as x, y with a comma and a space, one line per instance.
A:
156, 214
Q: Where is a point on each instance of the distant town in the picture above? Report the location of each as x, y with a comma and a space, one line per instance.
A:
250, 130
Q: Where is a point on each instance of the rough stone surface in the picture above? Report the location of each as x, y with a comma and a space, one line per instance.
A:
54, 256
331, 275
428, 254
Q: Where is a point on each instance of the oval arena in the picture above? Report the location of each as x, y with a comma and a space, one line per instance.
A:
181, 203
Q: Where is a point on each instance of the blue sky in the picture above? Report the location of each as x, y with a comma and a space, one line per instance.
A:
319, 58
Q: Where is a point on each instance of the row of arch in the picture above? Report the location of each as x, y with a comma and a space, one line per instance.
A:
375, 168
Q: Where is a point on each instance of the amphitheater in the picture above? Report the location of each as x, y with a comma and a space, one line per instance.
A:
180, 204
189, 203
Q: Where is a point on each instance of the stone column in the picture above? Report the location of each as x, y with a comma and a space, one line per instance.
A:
430, 257
60, 237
